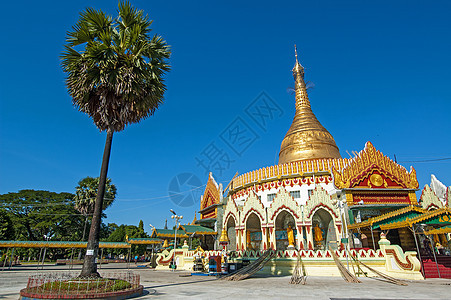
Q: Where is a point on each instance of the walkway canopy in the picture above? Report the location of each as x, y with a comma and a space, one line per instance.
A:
167, 233
439, 217
197, 230
60, 244
443, 229
395, 216
183, 231
145, 241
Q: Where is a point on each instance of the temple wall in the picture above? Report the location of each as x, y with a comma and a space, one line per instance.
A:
316, 197
389, 260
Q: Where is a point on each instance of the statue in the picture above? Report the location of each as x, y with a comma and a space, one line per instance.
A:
290, 235
318, 233
248, 240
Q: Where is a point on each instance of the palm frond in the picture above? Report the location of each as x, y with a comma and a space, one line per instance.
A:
118, 76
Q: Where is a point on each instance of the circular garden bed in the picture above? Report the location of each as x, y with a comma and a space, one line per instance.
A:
68, 286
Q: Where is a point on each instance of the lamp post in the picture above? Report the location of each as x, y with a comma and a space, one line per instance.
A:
177, 220
345, 228
153, 246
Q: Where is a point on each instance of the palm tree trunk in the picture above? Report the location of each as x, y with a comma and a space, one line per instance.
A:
89, 266
84, 234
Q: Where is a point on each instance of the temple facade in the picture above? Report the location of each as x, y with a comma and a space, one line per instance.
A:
318, 206
310, 198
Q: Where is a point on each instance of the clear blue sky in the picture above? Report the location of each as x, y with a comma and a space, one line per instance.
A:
380, 70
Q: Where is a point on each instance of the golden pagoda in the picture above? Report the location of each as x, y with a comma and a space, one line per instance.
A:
306, 139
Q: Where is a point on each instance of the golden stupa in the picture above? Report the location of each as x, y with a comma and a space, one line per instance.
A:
307, 138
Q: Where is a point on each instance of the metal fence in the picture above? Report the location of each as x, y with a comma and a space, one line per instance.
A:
69, 283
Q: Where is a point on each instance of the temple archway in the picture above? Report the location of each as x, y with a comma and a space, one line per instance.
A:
323, 229
231, 234
283, 222
253, 232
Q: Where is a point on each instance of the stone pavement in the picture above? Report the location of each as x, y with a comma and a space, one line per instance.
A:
177, 285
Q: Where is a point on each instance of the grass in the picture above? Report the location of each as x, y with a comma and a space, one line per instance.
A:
82, 286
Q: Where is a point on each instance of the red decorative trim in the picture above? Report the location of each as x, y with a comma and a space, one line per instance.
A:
227, 218
124, 294
308, 229
310, 247
405, 266
339, 228
278, 183
299, 229
284, 207
324, 206
432, 206
256, 212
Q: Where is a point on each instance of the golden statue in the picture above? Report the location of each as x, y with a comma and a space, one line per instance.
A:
248, 240
318, 233
290, 235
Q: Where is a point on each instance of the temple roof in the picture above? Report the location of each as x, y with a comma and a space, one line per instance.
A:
307, 138
197, 229
59, 244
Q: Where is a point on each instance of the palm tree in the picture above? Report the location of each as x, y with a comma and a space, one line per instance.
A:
115, 75
85, 196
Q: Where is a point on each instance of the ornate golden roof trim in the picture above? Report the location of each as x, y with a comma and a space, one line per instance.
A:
366, 159
386, 216
408, 222
291, 169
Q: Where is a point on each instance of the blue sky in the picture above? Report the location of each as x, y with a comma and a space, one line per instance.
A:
380, 72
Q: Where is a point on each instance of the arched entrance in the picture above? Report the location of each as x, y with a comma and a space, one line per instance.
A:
323, 229
284, 223
231, 233
253, 233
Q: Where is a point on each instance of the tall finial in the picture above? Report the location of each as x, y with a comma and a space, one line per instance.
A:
306, 138
298, 68
296, 52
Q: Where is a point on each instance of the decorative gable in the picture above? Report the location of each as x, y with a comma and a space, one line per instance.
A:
320, 198
253, 204
231, 211
371, 169
211, 196
283, 201
429, 199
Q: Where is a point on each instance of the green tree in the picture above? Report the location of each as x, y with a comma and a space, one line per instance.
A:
128, 231
38, 213
141, 225
6, 226
86, 193
115, 75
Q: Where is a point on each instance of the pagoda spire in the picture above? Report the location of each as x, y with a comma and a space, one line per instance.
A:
307, 138
300, 86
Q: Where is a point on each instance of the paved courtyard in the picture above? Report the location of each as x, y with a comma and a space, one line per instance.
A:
177, 285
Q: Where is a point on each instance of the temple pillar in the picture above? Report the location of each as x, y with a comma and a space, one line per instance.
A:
264, 244
241, 239
310, 243
271, 237
299, 237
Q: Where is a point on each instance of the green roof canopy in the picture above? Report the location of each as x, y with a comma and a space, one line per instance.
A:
197, 229
59, 244
390, 217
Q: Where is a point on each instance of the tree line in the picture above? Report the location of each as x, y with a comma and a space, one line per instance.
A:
36, 215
